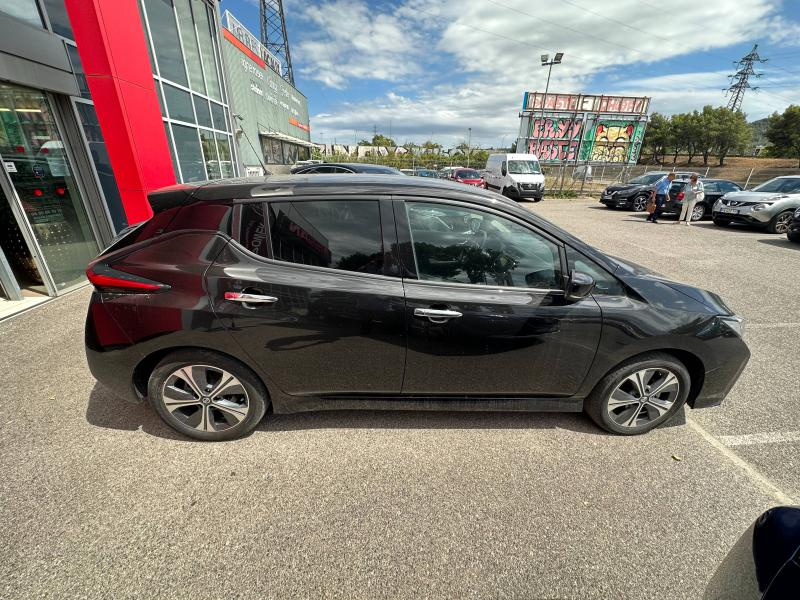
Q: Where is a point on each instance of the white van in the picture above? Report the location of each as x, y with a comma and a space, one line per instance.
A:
517, 176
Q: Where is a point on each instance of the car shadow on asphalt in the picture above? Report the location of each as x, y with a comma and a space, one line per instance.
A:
781, 243
108, 410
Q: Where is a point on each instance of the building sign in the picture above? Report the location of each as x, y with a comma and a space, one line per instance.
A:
582, 128
241, 34
585, 103
265, 101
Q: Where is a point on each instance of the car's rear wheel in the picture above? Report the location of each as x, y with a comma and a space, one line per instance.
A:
640, 394
207, 396
780, 222
698, 212
640, 203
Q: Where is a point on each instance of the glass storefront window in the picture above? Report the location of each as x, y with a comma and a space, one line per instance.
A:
77, 69
24, 10
190, 49
166, 44
172, 151
210, 153
205, 34
203, 113
59, 20
219, 117
289, 153
225, 160
179, 104
102, 164
37, 164
190, 155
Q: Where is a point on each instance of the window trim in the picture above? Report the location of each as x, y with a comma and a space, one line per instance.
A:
400, 202
386, 236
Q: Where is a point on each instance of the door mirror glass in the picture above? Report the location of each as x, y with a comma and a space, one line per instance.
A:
580, 286
503, 169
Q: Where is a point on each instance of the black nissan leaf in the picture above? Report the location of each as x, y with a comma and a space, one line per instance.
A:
319, 292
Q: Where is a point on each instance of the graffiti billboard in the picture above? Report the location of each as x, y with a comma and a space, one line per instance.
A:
582, 128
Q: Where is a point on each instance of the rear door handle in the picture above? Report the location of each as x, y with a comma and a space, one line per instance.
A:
249, 298
436, 315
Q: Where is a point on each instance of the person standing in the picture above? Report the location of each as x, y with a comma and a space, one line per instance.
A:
692, 194
662, 193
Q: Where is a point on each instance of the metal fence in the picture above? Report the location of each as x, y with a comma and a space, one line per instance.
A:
572, 179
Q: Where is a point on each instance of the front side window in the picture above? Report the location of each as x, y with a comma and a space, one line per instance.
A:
464, 245
338, 234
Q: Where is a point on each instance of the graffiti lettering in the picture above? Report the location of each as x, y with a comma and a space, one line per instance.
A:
554, 150
556, 129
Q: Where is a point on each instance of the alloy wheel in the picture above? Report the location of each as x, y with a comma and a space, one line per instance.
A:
642, 397
205, 398
698, 212
640, 203
782, 222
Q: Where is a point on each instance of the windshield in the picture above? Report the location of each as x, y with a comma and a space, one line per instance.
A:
788, 186
647, 179
468, 174
523, 167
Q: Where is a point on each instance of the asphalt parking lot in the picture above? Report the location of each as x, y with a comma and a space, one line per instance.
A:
99, 499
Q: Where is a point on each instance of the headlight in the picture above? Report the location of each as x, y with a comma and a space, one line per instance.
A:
735, 323
761, 206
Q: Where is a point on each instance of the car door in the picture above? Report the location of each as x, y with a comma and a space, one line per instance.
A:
306, 290
485, 305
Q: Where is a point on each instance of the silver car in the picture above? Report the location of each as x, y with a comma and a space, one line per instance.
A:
769, 205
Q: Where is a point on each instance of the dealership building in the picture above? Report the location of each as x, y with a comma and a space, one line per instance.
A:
102, 101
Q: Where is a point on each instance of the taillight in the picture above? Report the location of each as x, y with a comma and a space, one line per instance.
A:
60, 191
106, 279
681, 196
38, 193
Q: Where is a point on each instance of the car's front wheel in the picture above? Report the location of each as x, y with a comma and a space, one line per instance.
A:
793, 236
721, 222
207, 396
640, 394
780, 222
640, 203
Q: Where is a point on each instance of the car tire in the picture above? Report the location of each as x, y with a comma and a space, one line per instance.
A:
508, 194
207, 396
699, 212
613, 403
793, 236
721, 222
639, 203
780, 222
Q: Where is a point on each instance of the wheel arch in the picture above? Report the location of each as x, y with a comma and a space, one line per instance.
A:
146, 366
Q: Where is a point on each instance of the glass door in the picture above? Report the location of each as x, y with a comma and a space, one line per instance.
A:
35, 161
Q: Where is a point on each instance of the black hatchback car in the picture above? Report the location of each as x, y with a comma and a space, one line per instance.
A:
308, 293
713, 190
633, 194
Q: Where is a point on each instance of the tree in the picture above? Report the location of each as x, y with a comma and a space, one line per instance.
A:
681, 134
658, 135
706, 132
783, 132
378, 140
731, 132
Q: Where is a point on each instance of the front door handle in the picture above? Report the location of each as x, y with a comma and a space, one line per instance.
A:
249, 298
436, 315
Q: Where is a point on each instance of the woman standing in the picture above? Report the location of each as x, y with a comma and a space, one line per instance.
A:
693, 193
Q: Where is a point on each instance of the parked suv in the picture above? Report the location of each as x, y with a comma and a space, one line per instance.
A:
633, 194
331, 292
769, 206
713, 189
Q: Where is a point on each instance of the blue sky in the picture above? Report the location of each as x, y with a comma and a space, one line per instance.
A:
431, 69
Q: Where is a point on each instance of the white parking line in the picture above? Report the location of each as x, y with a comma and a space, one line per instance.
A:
768, 437
762, 482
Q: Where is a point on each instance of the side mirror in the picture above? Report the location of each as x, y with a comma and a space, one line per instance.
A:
580, 286
503, 171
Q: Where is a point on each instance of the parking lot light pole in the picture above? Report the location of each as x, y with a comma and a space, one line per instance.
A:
469, 143
546, 62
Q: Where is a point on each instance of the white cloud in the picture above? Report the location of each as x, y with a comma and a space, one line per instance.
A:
494, 47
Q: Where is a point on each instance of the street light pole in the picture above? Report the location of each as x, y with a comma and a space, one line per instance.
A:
546, 62
469, 143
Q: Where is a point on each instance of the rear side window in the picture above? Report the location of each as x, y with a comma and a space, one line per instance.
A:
253, 229
712, 187
337, 234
